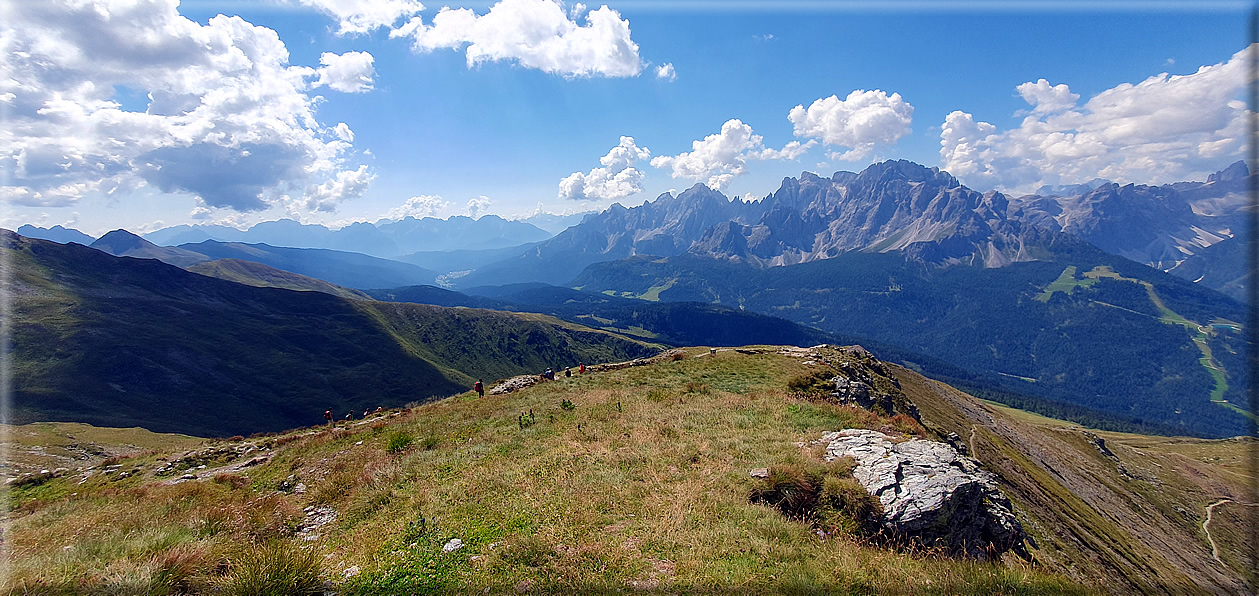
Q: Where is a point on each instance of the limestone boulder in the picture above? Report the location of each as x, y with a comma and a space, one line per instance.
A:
931, 494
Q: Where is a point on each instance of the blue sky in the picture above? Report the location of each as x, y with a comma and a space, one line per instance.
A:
312, 109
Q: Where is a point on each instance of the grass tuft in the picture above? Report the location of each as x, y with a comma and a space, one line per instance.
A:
400, 441
274, 569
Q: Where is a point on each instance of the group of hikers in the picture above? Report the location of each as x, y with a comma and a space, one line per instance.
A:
478, 387
549, 374
327, 414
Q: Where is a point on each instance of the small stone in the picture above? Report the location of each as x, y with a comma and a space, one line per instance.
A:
300, 489
184, 477
358, 443
351, 572
452, 546
759, 472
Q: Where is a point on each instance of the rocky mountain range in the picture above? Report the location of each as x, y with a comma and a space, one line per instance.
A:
897, 206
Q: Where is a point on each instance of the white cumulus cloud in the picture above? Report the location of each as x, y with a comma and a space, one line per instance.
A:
229, 120
351, 72
861, 122
1163, 129
617, 178
363, 16
419, 207
346, 185
478, 206
665, 71
719, 158
1046, 98
535, 34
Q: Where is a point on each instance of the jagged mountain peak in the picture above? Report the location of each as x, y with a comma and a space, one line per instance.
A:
1234, 171
907, 171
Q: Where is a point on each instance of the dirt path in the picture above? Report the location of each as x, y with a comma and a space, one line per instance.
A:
1215, 551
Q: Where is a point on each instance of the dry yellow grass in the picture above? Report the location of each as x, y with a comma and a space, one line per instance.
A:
642, 486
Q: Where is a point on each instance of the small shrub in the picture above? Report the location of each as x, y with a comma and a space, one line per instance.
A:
811, 385
568, 406
658, 394
176, 570
236, 481
791, 489
429, 443
400, 441
277, 568
213, 522
906, 424
693, 387
823, 494
845, 507
528, 551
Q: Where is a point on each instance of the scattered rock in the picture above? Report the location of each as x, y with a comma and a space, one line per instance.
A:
316, 517
759, 472
860, 380
514, 384
452, 546
931, 494
253, 462
955, 441
351, 572
287, 484
1100, 444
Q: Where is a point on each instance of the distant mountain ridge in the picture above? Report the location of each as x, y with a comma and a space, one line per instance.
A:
349, 269
56, 234
385, 238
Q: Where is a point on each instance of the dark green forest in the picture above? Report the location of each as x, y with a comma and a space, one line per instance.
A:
1098, 353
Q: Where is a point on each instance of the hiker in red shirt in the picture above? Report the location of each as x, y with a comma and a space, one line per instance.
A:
479, 388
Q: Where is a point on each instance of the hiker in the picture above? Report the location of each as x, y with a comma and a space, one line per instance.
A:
379, 409
327, 415
581, 368
349, 415
479, 388
568, 372
367, 412
549, 374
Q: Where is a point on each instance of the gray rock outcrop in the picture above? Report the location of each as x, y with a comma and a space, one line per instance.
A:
931, 494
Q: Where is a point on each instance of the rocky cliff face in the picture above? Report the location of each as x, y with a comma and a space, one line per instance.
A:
931, 494
895, 206
1159, 226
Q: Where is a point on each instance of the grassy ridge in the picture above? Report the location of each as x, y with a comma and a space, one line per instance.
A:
639, 482
135, 342
642, 484
265, 276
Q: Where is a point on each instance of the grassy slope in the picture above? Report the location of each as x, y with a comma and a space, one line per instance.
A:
1137, 516
133, 342
643, 484
265, 276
